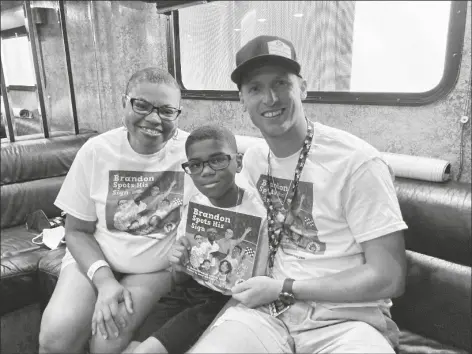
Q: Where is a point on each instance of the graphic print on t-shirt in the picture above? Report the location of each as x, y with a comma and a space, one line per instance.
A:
223, 245
144, 203
302, 234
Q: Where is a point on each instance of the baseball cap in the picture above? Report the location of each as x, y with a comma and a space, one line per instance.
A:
265, 50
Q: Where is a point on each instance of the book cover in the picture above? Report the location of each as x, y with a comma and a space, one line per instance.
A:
223, 245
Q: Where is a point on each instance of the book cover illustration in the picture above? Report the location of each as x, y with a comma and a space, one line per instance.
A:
144, 203
223, 245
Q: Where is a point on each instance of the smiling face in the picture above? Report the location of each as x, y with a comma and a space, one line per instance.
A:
273, 98
214, 184
224, 268
155, 191
229, 234
198, 239
236, 252
206, 264
148, 134
211, 234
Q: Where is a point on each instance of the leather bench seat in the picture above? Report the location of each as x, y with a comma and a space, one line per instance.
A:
49, 268
32, 172
412, 343
19, 281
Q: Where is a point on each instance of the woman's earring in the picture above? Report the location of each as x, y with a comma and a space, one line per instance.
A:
123, 122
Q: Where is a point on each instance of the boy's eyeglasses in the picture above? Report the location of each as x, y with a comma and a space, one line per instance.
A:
216, 163
144, 107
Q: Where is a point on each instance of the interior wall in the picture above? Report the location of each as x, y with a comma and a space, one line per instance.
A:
109, 40
432, 131
54, 76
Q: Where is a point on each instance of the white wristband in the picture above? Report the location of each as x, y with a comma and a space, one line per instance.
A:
95, 266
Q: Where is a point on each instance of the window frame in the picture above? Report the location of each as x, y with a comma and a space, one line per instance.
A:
38, 66
452, 63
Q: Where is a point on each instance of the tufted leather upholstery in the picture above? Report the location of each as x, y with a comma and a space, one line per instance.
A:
436, 303
37, 159
32, 172
438, 218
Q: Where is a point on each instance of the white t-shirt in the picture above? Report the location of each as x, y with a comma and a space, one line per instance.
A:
345, 197
200, 215
123, 191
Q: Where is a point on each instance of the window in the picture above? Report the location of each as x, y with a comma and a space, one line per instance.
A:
379, 52
32, 73
18, 65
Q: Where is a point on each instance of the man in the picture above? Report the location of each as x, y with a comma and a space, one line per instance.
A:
333, 296
227, 243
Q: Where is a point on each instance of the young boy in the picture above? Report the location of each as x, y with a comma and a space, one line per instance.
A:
216, 204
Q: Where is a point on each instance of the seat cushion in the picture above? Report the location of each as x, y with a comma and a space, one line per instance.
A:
49, 268
436, 303
19, 279
412, 343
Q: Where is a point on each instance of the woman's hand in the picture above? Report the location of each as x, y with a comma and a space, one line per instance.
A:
106, 316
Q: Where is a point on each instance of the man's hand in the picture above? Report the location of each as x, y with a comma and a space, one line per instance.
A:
257, 291
179, 254
106, 316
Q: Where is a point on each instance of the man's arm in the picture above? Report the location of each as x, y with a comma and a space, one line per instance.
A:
374, 217
382, 276
241, 239
167, 192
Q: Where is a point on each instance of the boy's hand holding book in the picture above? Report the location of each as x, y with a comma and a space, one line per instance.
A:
179, 255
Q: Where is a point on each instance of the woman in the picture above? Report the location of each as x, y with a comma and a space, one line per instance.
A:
111, 276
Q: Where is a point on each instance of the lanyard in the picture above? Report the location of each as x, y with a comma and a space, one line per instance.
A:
277, 216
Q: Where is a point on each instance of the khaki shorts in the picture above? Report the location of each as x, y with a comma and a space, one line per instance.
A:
305, 328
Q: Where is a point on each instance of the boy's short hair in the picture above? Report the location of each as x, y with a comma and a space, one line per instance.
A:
208, 132
153, 75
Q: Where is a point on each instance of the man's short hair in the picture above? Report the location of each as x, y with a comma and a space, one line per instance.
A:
208, 132
152, 75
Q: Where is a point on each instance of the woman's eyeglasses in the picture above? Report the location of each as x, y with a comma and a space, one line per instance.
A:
144, 107
216, 163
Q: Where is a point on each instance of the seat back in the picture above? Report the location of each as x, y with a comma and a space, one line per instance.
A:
32, 172
437, 300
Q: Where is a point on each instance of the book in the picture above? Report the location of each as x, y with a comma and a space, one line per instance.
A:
224, 244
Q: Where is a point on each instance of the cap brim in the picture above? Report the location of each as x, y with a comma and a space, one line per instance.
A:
260, 60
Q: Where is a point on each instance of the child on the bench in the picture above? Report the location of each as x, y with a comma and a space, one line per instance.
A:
218, 209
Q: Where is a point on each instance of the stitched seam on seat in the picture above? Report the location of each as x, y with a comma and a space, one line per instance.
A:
17, 274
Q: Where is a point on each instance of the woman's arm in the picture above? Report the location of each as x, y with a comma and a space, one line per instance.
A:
85, 249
